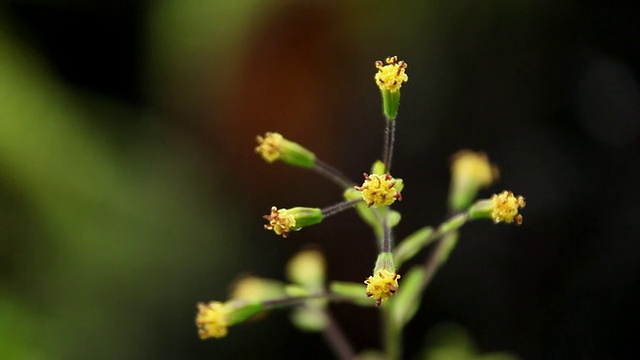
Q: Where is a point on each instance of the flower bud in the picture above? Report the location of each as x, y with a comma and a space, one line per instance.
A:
274, 146
470, 171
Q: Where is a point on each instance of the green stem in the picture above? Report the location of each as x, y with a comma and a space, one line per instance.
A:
446, 236
392, 335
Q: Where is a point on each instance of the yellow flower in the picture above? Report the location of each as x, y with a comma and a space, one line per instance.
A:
382, 285
474, 167
270, 146
379, 190
274, 146
469, 172
307, 268
505, 207
212, 320
391, 76
280, 221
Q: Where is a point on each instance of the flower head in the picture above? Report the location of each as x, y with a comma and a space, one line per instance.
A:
212, 320
474, 167
270, 146
379, 190
391, 76
505, 207
307, 268
280, 221
273, 146
283, 221
469, 172
382, 285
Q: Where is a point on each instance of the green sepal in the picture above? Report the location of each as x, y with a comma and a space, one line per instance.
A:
412, 244
406, 301
241, 310
353, 292
385, 262
305, 216
482, 209
390, 104
295, 154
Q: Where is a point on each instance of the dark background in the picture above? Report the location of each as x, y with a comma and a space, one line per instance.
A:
129, 189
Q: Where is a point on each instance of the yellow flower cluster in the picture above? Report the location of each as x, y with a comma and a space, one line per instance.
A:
280, 221
270, 146
474, 167
391, 76
212, 320
379, 190
382, 285
505, 207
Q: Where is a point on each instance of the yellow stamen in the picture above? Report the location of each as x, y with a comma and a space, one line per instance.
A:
382, 285
280, 221
379, 190
391, 76
270, 146
505, 207
212, 320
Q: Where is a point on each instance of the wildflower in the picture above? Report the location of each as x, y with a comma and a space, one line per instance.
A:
307, 268
469, 172
283, 221
505, 207
273, 146
382, 285
389, 79
212, 320
391, 76
379, 190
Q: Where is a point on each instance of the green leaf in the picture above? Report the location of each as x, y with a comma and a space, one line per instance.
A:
412, 244
406, 301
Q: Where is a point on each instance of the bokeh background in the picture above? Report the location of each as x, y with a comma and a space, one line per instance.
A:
129, 189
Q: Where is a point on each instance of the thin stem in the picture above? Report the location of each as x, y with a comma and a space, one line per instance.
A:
337, 340
292, 300
386, 231
389, 138
334, 209
435, 259
332, 174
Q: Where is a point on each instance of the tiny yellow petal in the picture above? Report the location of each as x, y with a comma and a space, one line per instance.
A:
391, 76
379, 190
270, 146
505, 207
280, 221
382, 285
212, 320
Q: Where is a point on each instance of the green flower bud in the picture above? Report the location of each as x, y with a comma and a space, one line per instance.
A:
274, 146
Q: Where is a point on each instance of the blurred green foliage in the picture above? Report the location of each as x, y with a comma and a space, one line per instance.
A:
119, 239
